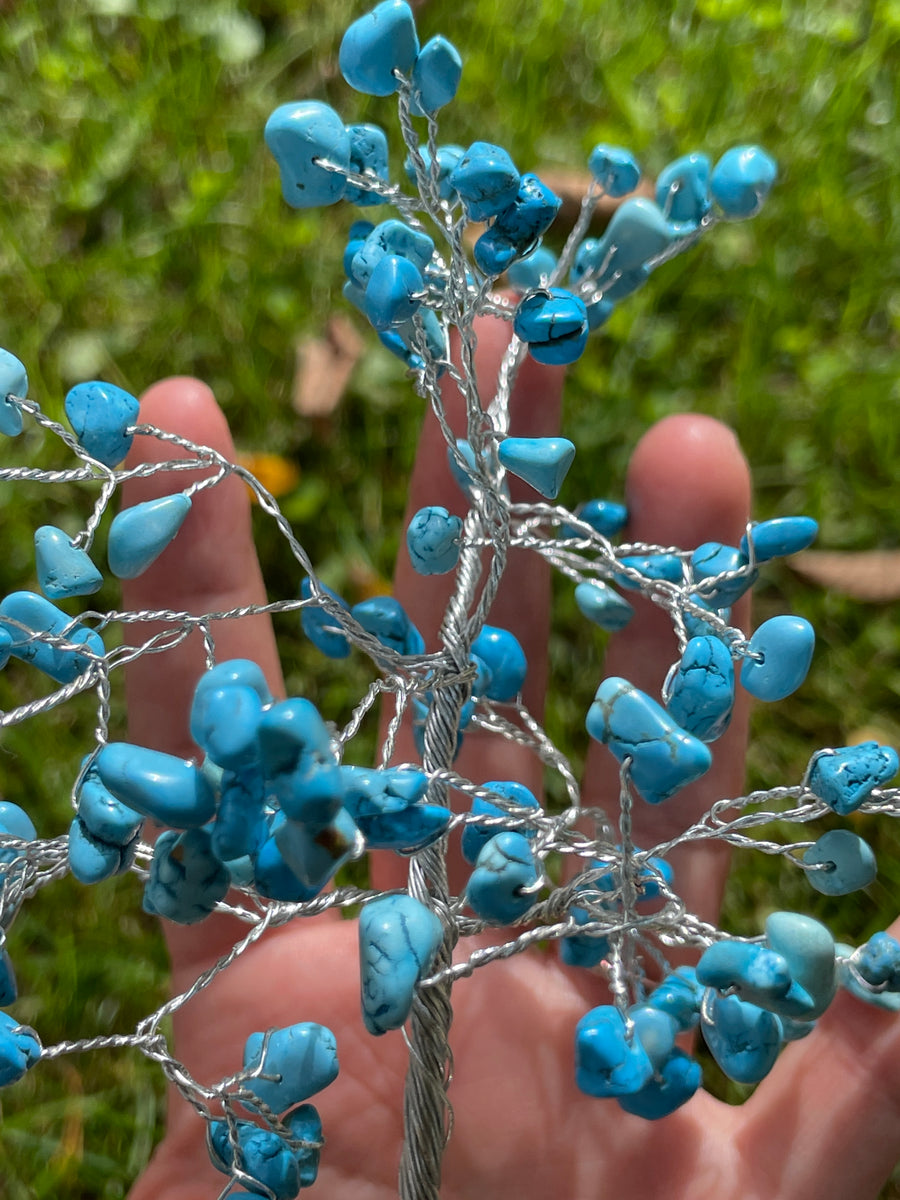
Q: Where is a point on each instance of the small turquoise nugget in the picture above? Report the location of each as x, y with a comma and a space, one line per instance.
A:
100, 414
301, 1060
504, 871
398, 941
701, 696
378, 44
846, 777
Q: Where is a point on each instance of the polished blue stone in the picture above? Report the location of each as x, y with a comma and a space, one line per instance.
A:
377, 44
398, 941
386, 805
603, 605
697, 626
433, 540
138, 535
13, 382
391, 237
651, 566
39, 616
674, 1084
779, 537
679, 995
264, 1156
682, 191
504, 867
100, 414
63, 569
426, 324
664, 758
635, 237
848, 861
532, 271
20, 1049
808, 949
553, 323
16, 821
394, 292
240, 672
103, 815
435, 76
855, 982
606, 1062
878, 961
315, 854
494, 252
186, 880
785, 645
615, 169
272, 877
756, 972
305, 1125
224, 724
301, 1058
239, 830
368, 153
657, 1031
505, 660
742, 1038
447, 158
530, 215
173, 791
90, 859
8, 989
475, 837
298, 763
386, 619
301, 136
583, 949
712, 558
701, 695
323, 629
486, 181
741, 181
844, 778
604, 516
541, 462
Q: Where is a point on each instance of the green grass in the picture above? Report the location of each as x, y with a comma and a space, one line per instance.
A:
142, 234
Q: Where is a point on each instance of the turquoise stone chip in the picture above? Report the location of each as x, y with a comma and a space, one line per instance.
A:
391, 237
808, 949
301, 136
532, 271
386, 805
368, 153
186, 880
494, 253
63, 569
651, 566
780, 536
273, 878
323, 629
240, 672
635, 237
302, 1058
756, 972
674, 1084
553, 323
742, 1038
486, 181
664, 757
394, 292
20, 1049
845, 778
741, 181
657, 1031
679, 995
601, 604
701, 695
682, 191
173, 791
433, 540
224, 723
105, 817
447, 158
541, 462
90, 859
264, 1156
505, 660
475, 837
848, 860
606, 1062
100, 414
138, 535
315, 854
398, 941
13, 382
785, 645
615, 169
299, 764
530, 215
712, 558
8, 989
376, 45
386, 619
39, 616
584, 950
878, 961
435, 76
504, 867
239, 830
605, 517
16, 821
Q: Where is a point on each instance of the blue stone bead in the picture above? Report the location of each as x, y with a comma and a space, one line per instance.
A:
435, 76
503, 868
601, 604
173, 791
583, 949
554, 325
780, 536
756, 972
239, 829
878, 961
532, 271
654, 872
675, 1083
605, 516
16, 821
696, 626
20, 1049
316, 853
447, 158
6, 644
299, 764
475, 837
849, 862
505, 660
463, 480
360, 230
394, 292
636, 235
368, 153
8, 990
651, 566
682, 191
302, 1058
844, 778
589, 259
355, 295
598, 313
741, 181
13, 382
233, 672
301, 136
615, 169
742, 1038
679, 995
808, 949
606, 1063
63, 569
224, 722
90, 859
39, 616
425, 324
712, 558
701, 696
494, 253
376, 45
100, 414
305, 1125
398, 941
138, 535
786, 646
273, 878
263, 1156
386, 619
486, 181
850, 980
391, 237
665, 758
320, 626
657, 1032
542, 462
386, 806
530, 215
186, 880
433, 540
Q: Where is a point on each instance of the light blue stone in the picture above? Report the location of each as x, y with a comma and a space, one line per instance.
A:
368, 153
486, 181
273, 878
848, 860
447, 158
657, 1031
850, 981
844, 778
105, 817
603, 605
16, 821
529, 216
679, 995
475, 837
742, 1038
315, 854
90, 859
541, 462
100, 414
433, 540
39, 616
426, 324
808, 948
376, 45
606, 1063
20, 1049
553, 322
435, 76
63, 569
651, 566
224, 724
386, 619
263, 1155
186, 880
532, 271
696, 626
398, 941
780, 536
606, 517
239, 672
682, 191
505, 660
391, 237
712, 558
299, 765
701, 696
239, 830
13, 382
636, 235
615, 169
138, 535
394, 292
173, 791
494, 253
674, 1084
584, 950
741, 181
300, 136
468, 455
301, 1058
386, 805
598, 312
504, 867
664, 757
878, 961
758, 974
322, 629
786, 646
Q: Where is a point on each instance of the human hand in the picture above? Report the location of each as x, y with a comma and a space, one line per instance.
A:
824, 1124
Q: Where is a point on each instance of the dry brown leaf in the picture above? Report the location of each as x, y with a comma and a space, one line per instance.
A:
324, 367
872, 575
